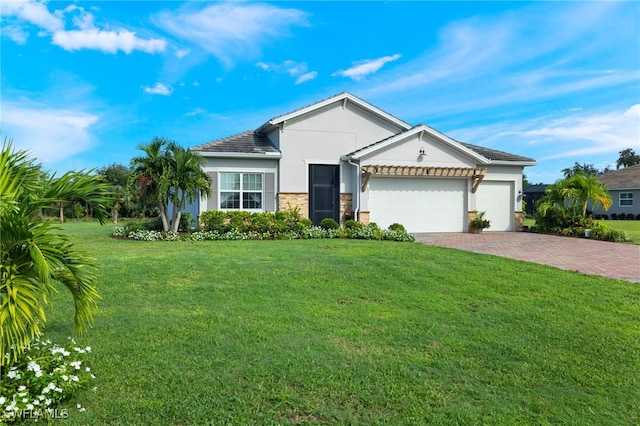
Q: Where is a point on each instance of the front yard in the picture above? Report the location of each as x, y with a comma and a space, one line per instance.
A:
349, 332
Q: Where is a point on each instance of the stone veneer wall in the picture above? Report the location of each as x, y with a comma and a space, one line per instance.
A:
518, 221
471, 216
345, 204
289, 200
364, 217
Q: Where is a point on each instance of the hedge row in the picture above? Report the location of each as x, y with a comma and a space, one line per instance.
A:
281, 225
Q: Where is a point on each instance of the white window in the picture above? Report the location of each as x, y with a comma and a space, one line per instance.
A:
626, 199
241, 191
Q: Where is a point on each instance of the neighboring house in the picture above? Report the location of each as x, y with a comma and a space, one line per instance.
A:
532, 194
343, 154
624, 189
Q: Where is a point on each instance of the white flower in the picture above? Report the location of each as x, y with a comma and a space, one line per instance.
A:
3, 399
76, 364
21, 388
47, 402
13, 374
74, 378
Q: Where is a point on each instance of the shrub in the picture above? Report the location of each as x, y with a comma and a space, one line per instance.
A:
606, 216
614, 216
638, 216
352, 224
630, 216
213, 220
42, 377
396, 227
329, 223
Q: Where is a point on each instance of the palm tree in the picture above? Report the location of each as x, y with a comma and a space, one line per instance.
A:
590, 188
173, 175
34, 255
147, 174
184, 180
578, 190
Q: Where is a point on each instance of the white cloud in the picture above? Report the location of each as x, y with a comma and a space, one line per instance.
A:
363, 68
158, 89
106, 41
306, 77
231, 31
60, 133
590, 134
297, 70
35, 13
181, 53
85, 35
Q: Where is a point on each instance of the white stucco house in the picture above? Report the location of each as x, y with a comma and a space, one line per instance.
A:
343, 154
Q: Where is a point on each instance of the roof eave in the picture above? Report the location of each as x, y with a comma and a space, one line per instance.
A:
252, 155
512, 163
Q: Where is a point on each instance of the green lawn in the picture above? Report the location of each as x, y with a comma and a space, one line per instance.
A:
350, 332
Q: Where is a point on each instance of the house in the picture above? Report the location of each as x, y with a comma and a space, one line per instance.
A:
624, 189
343, 154
532, 194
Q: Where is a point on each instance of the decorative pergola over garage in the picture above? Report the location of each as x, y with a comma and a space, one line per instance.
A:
476, 175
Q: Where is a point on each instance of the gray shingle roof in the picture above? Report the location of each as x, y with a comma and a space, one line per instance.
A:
629, 177
494, 154
248, 142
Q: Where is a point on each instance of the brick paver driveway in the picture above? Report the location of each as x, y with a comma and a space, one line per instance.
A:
613, 260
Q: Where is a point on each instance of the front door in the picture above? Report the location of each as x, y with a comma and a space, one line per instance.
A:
324, 192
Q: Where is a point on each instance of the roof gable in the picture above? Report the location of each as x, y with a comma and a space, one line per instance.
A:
479, 154
342, 97
626, 178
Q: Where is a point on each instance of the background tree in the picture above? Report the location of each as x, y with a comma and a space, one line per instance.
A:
628, 157
117, 176
34, 254
172, 175
584, 169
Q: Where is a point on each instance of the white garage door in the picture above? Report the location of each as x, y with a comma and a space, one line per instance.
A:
496, 198
421, 205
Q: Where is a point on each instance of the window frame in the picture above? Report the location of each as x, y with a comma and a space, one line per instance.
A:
244, 194
628, 198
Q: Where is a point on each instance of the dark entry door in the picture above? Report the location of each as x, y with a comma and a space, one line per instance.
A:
324, 192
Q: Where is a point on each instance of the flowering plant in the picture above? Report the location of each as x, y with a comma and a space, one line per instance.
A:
42, 377
480, 222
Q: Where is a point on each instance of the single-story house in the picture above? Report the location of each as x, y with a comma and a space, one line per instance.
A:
624, 189
532, 194
344, 155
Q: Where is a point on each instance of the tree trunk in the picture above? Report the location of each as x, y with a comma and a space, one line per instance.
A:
163, 216
61, 212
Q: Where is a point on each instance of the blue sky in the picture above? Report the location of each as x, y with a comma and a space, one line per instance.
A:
84, 83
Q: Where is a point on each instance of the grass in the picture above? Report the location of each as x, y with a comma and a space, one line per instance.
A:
350, 332
631, 227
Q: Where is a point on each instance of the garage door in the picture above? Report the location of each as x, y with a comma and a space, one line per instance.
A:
421, 205
496, 198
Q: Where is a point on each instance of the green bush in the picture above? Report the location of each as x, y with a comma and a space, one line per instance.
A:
396, 227
352, 224
214, 220
329, 223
